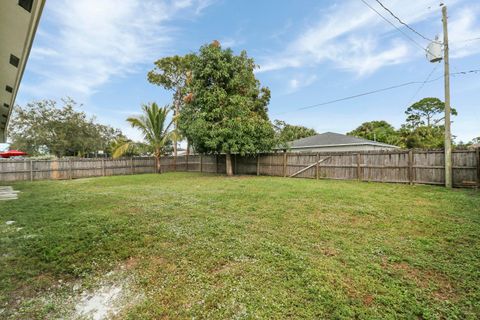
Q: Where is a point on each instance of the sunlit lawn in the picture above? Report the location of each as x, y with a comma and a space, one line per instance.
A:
213, 247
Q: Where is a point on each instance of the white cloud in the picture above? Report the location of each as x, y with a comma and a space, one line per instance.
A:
88, 42
350, 36
464, 25
300, 81
230, 42
43, 52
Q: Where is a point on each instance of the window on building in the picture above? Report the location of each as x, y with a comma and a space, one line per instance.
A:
9, 89
14, 60
26, 4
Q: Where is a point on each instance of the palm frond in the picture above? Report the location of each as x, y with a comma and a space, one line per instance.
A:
152, 123
122, 149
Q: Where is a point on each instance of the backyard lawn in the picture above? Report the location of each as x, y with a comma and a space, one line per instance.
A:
186, 245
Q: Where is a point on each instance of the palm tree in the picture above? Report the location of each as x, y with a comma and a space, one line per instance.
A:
156, 132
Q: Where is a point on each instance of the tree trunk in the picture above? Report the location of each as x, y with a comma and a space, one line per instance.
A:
228, 163
158, 164
175, 136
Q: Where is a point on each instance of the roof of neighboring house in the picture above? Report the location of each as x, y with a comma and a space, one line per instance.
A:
329, 139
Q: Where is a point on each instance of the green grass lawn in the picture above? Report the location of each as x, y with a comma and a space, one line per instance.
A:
208, 246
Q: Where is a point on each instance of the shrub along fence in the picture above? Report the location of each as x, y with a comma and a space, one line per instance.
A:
405, 166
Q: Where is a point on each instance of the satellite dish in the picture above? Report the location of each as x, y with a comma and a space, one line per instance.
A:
434, 51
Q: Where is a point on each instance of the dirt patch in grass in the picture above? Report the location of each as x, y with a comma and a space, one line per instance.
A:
440, 286
107, 300
104, 297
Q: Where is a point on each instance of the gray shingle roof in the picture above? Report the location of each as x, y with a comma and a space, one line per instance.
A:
332, 139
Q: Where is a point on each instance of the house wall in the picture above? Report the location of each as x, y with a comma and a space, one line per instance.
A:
362, 147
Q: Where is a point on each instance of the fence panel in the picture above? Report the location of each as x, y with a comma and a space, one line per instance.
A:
385, 167
245, 165
428, 167
404, 166
465, 166
271, 164
339, 166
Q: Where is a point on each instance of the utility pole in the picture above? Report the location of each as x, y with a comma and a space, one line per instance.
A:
448, 136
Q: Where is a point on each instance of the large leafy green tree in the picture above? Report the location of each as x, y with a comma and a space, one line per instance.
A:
172, 74
44, 127
225, 107
427, 112
380, 131
155, 128
285, 132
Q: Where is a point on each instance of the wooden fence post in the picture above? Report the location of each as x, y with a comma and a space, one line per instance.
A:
478, 167
216, 162
410, 166
284, 164
317, 167
31, 170
103, 167
131, 166
258, 164
186, 161
201, 163
359, 170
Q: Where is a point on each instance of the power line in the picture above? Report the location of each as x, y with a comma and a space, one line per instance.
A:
466, 72
376, 91
466, 40
403, 23
392, 24
358, 95
423, 84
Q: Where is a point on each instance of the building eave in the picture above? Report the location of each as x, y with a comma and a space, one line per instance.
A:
26, 46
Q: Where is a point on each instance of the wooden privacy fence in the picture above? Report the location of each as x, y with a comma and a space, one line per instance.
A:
18, 170
405, 166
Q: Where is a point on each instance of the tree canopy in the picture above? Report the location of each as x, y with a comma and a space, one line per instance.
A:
380, 131
285, 132
172, 73
427, 112
423, 128
423, 137
225, 107
43, 127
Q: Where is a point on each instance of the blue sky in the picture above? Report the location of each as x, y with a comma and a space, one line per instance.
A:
99, 51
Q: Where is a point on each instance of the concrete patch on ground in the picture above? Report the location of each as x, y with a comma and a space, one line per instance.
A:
114, 293
99, 298
107, 299
7, 193
101, 303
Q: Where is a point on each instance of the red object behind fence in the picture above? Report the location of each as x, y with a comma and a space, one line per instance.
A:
12, 153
